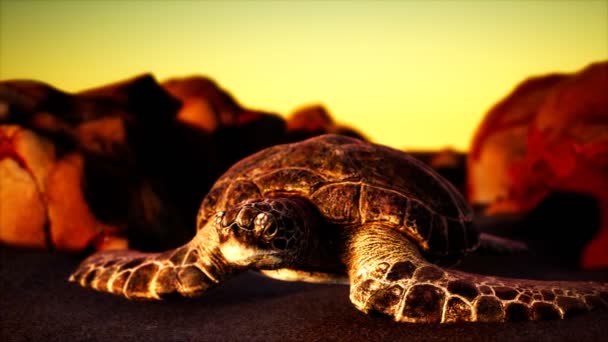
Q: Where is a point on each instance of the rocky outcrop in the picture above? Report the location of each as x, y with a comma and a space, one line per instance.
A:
235, 130
78, 160
549, 135
308, 121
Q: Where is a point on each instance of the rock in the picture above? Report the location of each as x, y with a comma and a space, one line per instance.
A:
550, 135
107, 157
141, 98
313, 120
25, 162
235, 131
207, 106
204, 104
500, 140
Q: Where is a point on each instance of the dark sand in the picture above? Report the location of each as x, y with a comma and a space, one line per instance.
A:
39, 304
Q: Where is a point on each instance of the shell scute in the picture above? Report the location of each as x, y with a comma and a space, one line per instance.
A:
342, 196
289, 179
239, 191
379, 204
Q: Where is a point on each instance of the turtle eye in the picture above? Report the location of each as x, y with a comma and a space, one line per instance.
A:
271, 229
246, 216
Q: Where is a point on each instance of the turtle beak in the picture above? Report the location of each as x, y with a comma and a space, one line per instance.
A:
241, 246
242, 255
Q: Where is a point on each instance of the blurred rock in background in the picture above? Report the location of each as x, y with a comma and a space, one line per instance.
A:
204, 104
549, 135
501, 139
308, 121
235, 131
94, 165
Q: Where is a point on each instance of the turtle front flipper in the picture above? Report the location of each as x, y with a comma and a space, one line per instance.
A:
185, 271
389, 276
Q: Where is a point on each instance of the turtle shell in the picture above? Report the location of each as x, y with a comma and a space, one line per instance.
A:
353, 183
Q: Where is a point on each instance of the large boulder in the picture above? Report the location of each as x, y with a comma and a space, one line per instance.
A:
95, 164
312, 120
550, 135
204, 104
235, 131
501, 140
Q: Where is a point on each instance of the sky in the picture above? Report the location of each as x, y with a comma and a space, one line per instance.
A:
409, 74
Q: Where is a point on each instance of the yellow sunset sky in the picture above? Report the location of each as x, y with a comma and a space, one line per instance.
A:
406, 73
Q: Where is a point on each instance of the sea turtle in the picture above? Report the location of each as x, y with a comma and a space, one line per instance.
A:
334, 207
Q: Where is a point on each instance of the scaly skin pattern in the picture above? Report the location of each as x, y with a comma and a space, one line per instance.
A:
388, 276
185, 271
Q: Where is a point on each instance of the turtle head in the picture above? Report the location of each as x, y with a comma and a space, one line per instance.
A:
263, 233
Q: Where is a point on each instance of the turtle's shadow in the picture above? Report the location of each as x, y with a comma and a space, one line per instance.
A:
244, 287
556, 231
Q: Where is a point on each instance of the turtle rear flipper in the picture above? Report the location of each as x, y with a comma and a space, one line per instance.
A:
389, 276
186, 271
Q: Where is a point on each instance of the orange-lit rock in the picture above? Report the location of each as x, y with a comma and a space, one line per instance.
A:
41, 199
235, 131
568, 148
73, 225
18, 190
71, 144
207, 106
500, 141
559, 144
204, 104
309, 121
25, 161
